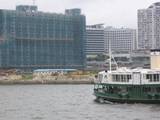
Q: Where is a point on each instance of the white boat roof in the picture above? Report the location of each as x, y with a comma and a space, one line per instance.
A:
125, 70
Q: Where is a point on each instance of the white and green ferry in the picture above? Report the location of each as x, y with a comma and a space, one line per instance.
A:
130, 85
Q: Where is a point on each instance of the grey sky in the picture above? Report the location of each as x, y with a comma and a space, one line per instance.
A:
117, 13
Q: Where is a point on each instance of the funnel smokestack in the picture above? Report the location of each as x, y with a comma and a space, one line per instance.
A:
155, 59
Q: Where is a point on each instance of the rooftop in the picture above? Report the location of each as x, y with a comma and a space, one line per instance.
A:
54, 70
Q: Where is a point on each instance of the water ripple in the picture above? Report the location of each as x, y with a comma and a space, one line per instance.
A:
66, 102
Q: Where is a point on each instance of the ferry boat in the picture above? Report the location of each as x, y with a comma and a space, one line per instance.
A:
125, 85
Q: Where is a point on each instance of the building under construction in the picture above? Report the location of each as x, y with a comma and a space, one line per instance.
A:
31, 39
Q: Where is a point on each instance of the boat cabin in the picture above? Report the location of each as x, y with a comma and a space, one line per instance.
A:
130, 76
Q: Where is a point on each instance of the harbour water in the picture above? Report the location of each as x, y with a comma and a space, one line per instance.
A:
66, 102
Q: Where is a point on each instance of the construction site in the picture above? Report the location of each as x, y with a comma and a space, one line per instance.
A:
31, 39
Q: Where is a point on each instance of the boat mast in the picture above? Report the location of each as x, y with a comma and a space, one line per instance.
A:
110, 56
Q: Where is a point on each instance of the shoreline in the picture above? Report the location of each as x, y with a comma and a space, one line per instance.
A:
44, 82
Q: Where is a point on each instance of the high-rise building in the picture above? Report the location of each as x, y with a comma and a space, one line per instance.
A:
120, 39
95, 39
33, 39
149, 27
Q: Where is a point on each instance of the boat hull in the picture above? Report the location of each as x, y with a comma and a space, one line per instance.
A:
120, 100
148, 94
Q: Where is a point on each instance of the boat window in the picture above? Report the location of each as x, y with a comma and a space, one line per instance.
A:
146, 89
116, 89
128, 78
129, 88
123, 90
153, 90
158, 89
121, 78
110, 89
153, 77
117, 78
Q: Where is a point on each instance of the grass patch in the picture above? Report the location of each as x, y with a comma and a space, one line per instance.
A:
27, 76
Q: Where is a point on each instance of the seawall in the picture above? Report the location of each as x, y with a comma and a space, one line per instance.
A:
25, 82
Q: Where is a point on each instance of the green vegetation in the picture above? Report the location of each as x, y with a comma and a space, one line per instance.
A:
121, 59
27, 76
99, 57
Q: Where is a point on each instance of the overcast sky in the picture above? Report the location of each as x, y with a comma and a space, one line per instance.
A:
117, 13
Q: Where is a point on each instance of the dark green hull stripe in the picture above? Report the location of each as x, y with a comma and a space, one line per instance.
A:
124, 100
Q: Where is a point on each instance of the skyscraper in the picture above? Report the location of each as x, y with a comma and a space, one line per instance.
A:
33, 39
95, 39
149, 27
121, 39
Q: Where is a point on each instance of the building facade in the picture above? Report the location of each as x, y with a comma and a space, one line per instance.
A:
95, 39
33, 39
149, 27
121, 40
